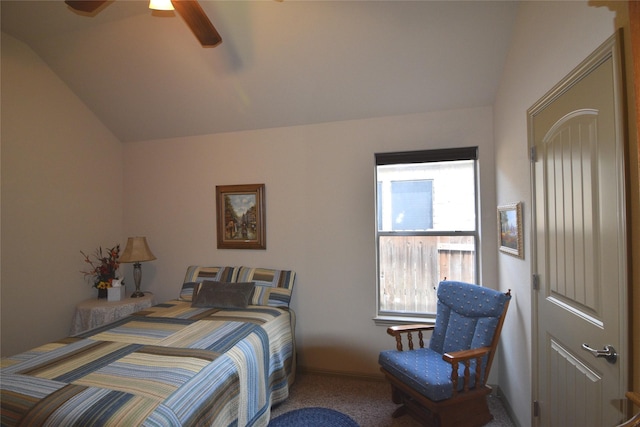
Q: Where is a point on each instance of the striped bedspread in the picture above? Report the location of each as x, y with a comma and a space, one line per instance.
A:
171, 365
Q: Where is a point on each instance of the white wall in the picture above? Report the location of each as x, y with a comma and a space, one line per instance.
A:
549, 40
320, 215
61, 193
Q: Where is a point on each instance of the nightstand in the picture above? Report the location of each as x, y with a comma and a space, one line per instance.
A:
97, 312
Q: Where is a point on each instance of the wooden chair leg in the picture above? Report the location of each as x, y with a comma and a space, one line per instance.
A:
400, 411
396, 395
471, 413
474, 413
421, 414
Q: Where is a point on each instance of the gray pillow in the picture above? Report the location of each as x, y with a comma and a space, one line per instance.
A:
223, 295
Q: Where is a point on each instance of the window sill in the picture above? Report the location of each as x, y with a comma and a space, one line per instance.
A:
399, 320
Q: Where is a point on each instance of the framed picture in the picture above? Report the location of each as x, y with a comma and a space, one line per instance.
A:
510, 229
241, 216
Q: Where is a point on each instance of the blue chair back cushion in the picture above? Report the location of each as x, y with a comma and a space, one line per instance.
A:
467, 317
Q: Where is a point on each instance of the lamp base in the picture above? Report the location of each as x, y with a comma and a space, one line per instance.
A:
137, 276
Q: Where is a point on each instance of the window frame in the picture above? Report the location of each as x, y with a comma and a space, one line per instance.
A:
424, 156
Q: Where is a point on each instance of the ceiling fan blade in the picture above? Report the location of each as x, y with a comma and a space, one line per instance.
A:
197, 20
88, 6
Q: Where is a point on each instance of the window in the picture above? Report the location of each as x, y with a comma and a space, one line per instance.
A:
411, 205
426, 213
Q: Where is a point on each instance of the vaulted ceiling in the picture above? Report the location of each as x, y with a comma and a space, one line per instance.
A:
283, 63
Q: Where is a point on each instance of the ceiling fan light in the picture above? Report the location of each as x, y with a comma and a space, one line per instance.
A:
160, 5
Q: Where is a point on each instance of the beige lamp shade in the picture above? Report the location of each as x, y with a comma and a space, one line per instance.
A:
137, 250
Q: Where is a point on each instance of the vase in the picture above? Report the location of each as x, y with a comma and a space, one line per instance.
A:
102, 293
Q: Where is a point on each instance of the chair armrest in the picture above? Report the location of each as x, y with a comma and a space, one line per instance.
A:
407, 331
465, 357
462, 355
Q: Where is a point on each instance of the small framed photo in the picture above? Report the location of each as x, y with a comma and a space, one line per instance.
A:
241, 216
510, 229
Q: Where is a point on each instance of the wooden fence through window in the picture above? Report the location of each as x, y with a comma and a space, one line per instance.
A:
412, 266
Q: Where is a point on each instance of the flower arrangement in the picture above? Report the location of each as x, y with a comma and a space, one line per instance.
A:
104, 267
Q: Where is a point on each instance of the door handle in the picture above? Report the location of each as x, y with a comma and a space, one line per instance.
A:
608, 353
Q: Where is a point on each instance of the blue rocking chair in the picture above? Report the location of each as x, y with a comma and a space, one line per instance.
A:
445, 384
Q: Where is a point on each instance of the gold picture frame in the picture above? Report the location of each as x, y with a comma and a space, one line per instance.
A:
241, 216
510, 239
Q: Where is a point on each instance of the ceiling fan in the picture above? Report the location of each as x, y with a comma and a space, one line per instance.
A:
190, 10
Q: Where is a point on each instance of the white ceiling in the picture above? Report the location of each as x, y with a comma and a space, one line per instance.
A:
280, 63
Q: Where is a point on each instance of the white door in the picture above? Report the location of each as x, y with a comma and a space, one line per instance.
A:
579, 247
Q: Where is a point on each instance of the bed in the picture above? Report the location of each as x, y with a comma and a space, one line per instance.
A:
221, 360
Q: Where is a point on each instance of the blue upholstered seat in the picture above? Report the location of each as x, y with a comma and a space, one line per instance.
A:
467, 317
423, 370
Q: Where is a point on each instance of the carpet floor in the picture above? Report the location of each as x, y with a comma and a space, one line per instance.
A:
368, 402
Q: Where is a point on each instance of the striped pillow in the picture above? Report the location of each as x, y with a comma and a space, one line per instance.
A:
273, 287
197, 274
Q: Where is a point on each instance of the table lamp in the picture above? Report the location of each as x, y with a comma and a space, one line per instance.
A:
137, 251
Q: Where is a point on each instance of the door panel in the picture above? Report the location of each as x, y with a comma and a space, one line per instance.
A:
567, 372
579, 246
569, 149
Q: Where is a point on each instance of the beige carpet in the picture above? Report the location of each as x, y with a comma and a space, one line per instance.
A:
368, 402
